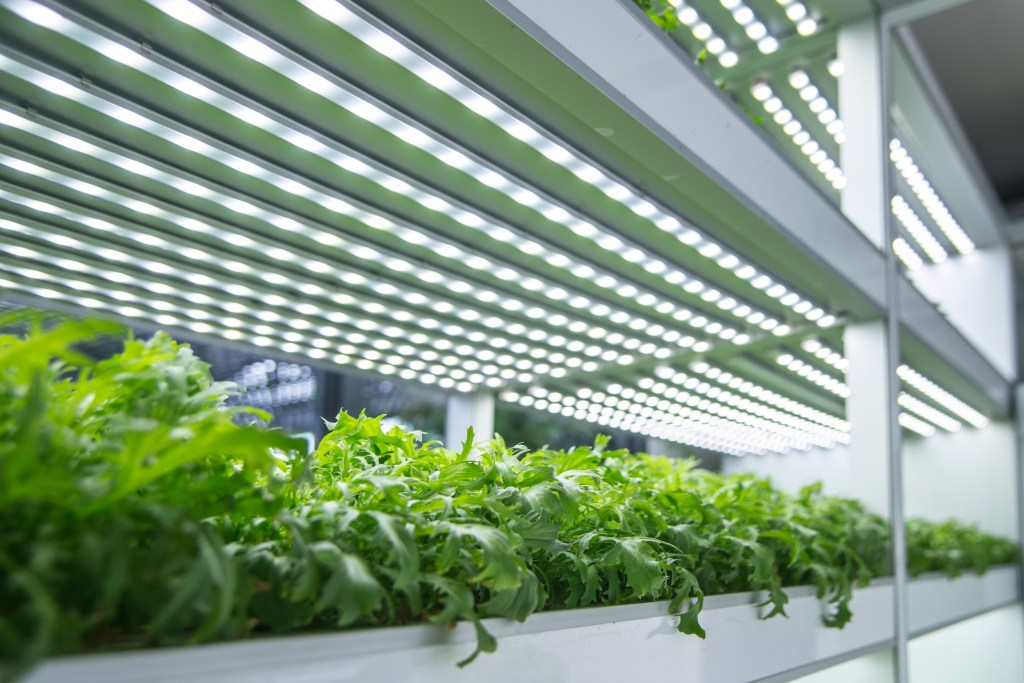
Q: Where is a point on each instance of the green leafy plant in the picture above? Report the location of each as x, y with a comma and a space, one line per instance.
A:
953, 548
661, 12
108, 473
498, 531
136, 510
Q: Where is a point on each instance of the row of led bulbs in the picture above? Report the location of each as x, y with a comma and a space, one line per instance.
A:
197, 17
907, 375
796, 82
747, 19
826, 114
744, 417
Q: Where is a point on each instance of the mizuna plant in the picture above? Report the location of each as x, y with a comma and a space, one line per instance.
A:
109, 472
135, 510
661, 12
954, 548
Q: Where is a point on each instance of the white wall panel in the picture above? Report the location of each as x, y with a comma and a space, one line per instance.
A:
975, 291
969, 475
986, 648
793, 470
873, 668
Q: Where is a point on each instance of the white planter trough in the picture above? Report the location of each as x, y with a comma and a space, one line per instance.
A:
627, 642
936, 601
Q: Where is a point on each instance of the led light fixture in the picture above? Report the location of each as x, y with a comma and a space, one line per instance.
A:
900, 157
478, 100
918, 426
30, 283
797, 13
235, 240
800, 81
214, 94
918, 230
906, 254
331, 200
752, 26
707, 411
942, 397
812, 374
933, 415
689, 16
772, 398
772, 104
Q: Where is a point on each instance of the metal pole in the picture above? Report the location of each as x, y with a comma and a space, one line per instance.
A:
892, 322
1019, 461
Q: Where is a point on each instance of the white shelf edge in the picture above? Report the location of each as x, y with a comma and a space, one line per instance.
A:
936, 601
827, 663
568, 645
548, 639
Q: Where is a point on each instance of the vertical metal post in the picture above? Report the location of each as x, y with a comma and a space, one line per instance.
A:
463, 411
1018, 420
892, 297
865, 94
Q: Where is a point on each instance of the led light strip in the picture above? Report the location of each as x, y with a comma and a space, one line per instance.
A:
722, 404
57, 289
276, 219
797, 13
917, 229
628, 408
343, 205
910, 377
767, 405
768, 418
792, 127
484, 104
126, 302
819, 106
272, 308
812, 374
192, 289
689, 17
698, 430
910, 258
751, 25
924, 410
915, 425
98, 298
260, 49
392, 295
900, 157
701, 397
915, 380
704, 410
825, 353
942, 397
258, 248
773, 399
360, 343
